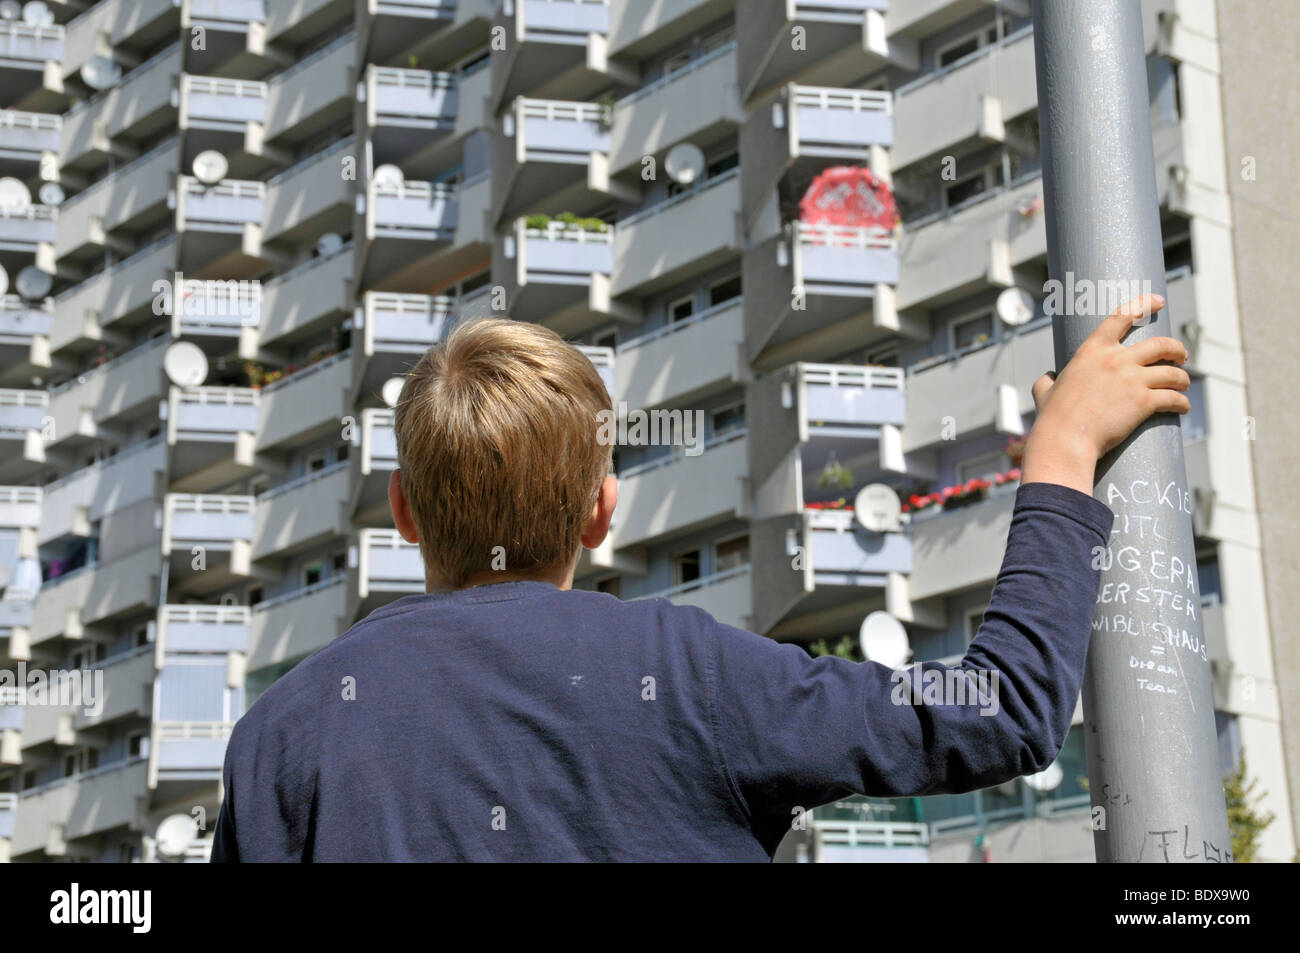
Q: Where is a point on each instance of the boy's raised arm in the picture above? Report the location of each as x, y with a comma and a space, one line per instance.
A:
795, 732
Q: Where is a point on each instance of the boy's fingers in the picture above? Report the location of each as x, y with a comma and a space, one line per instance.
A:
1151, 350
1042, 386
1118, 323
1166, 377
1168, 401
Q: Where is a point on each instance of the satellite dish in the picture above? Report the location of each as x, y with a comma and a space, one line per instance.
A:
329, 243
185, 364
877, 508
392, 390
10, 10
52, 194
14, 195
4, 281
100, 72
390, 175
684, 163
883, 639
33, 284
210, 167
174, 836
1049, 779
37, 13
1015, 307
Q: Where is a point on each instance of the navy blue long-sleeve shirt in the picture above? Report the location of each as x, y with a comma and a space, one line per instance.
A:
518, 721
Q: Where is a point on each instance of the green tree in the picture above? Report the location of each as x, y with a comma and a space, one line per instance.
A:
1245, 823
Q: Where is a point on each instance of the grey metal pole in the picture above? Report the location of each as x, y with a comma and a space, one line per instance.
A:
1148, 700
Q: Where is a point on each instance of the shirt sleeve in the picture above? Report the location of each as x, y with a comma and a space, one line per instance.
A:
796, 732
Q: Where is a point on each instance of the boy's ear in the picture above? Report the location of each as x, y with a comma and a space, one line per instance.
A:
401, 510
598, 526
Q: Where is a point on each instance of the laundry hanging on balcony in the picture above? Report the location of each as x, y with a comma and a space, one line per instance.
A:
849, 197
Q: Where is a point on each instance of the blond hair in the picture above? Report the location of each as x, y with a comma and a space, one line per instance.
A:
497, 441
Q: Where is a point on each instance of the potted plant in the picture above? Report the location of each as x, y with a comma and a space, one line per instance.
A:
1015, 450
835, 474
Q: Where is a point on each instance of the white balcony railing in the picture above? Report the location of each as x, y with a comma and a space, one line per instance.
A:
557, 231
851, 100
561, 110
844, 236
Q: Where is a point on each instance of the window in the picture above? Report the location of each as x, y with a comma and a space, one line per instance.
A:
612, 585
721, 164
311, 574
315, 462
141, 638
681, 309
341, 452
951, 52
731, 553
686, 567
259, 484
724, 290
728, 419
677, 61
977, 183
340, 562
254, 595
985, 466
128, 853
974, 618
137, 744
607, 339
883, 358
972, 330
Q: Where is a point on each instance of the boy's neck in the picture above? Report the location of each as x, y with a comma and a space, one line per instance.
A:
561, 579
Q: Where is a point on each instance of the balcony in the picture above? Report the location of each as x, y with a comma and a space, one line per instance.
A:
961, 548
306, 298
678, 493
817, 278
699, 102
689, 234
309, 199
602, 358
967, 101
116, 585
802, 129
962, 250
312, 94
377, 459
210, 432
205, 629
301, 513
81, 407
187, 751
20, 506
24, 136
387, 567
639, 30
218, 527
139, 107
810, 416
727, 596
53, 815
121, 291
22, 421
21, 230
128, 690
841, 553
211, 222
408, 111
841, 37
547, 157
306, 404
408, 228
131, 198
396, 330
683, 361
298, 623
218, 309
397, 27
24, 51
129, 23
550, 46
24, 337
977, 373
234, 31
80, 499
216, 104
549, 273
